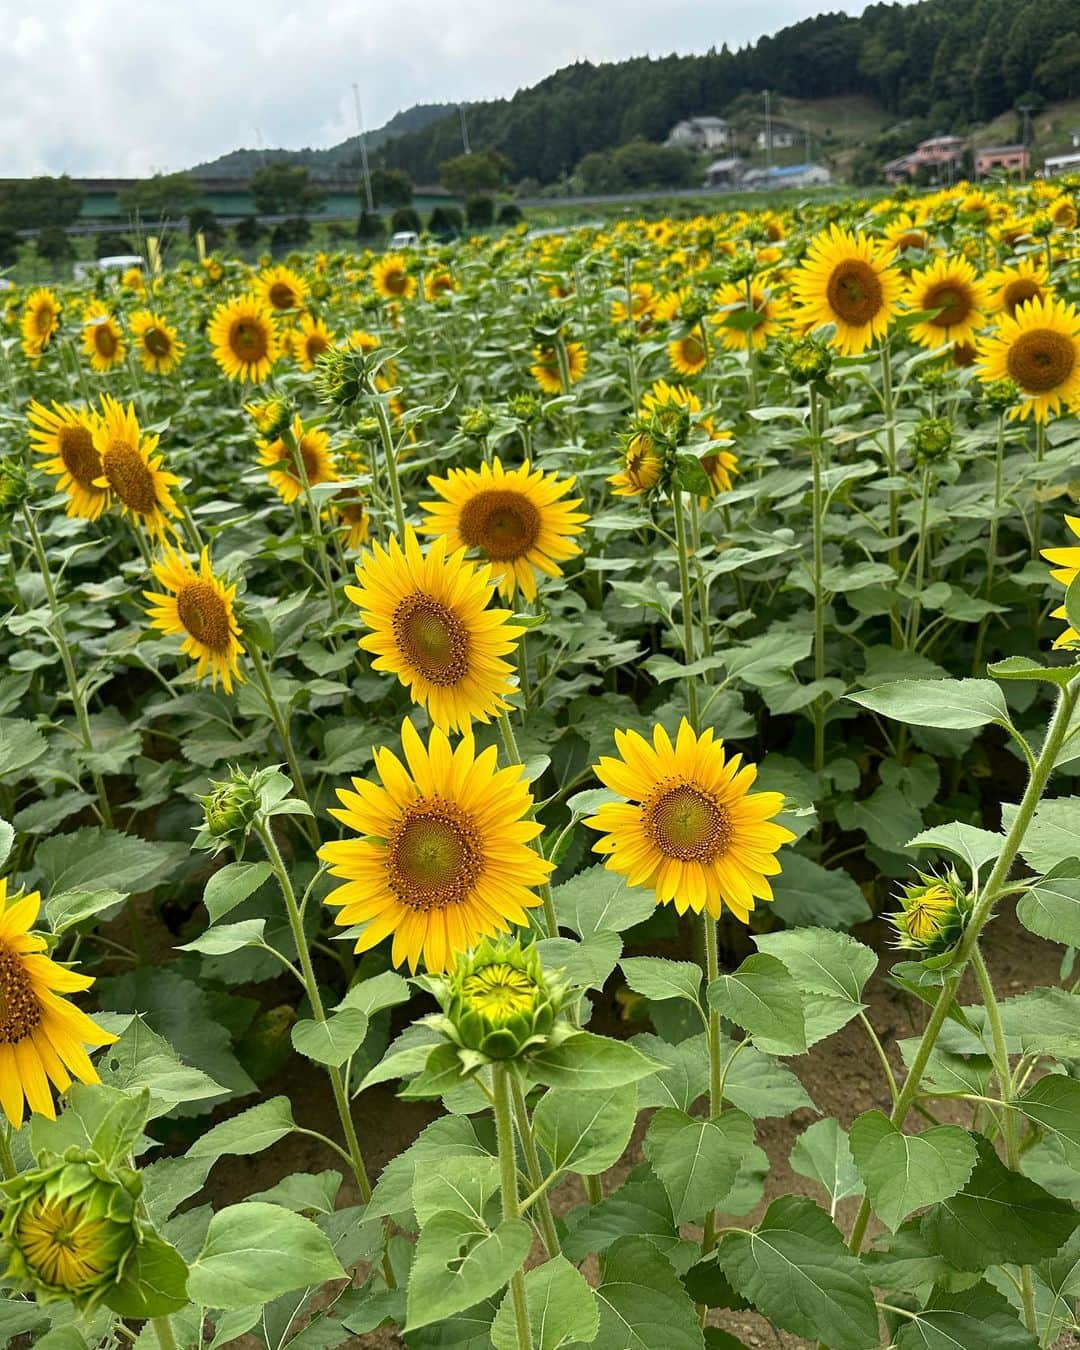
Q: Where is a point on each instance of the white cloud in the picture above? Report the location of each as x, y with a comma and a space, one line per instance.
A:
103, 87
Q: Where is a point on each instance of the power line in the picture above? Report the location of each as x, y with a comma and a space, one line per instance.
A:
363, 149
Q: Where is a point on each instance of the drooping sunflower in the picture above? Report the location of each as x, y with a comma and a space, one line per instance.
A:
847, 279
282, 288
40, 320
42, 1036
310, 341
515, 517
244, 338
198, 605
720, 464
1038, 348
444, 859
1066, 569
312, 445
103, 339
432, 628
546, 369
951, 287
132, 470
1012, 285
748, 321
66, 436
642, 467
391, 279
159, 349
690, 830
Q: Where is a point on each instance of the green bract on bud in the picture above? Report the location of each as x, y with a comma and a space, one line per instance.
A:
476, 422
341, 376
69, 1228
548, 323
498, 1003
932, 914
271, 416
1042, 225
693, 309
366, 428
807, 359
740, 267
524, 407
1000, 395
14, 486
228, 812
931, 440
933, 378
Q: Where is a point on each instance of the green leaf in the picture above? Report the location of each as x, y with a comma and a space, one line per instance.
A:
822, 961
999, 1218
373, 995
303, 1192
823, 1154
976, 1318
154, 1282
1061, 1277
447, 1137
7, 838
463, 1185
640, 1207
249, 1132
233, 884
585, 964
1051, 908
1024, 668
585, 1132
1053, 835
68, 908
170, 1181
642, 1301
254, 1252
760, 1086
683, 1075
952, 704
334, 1041
1054, 1103
796, 1269
762, 998
976, 847
143, 1059
20, 745
458, 1263
807, 894
78, 861
227, 938
589, 1062
905, 1172
597, 901
659, 979
768, 660
697, 1159
906, 1261
562, 1309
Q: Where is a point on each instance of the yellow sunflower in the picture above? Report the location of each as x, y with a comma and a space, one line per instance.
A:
309, 343
546, 370
431, 627
770, 315
642, 466
282, 288
951, 287
349, 506
515, 517
1066, 569
905, 232
1012, 285
720, 465
688, 354
1038, 348
391, 279
198, 606
42, 1036
40, 320
848, 280
244, 339
636, 307
690, 830
66, 436
102, 339
280, 458
438, 283
444, 859
156, 342
131, 469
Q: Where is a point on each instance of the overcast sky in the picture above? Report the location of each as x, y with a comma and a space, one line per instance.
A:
111, 87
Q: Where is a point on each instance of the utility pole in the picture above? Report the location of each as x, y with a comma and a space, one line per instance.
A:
807, 132
363, 149
464, 129
768, 137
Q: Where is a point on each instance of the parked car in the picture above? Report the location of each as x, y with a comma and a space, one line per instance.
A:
405, 239
119, 262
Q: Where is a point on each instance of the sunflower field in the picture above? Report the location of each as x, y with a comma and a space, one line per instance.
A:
538, 789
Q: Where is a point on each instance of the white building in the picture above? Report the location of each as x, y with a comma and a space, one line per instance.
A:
782, 138
723, 173
793, 176
700, 133
1059, 164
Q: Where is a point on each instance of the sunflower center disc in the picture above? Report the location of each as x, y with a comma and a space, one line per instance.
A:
434, 856
105, 341
1016, 292
952, 302
1041, 359
395, 282
687, 823
311, 463
248, 340
432, 638
43, 320
281, 295
204, 614
20, 1010
77, 451
129, 477
315, 344
499, 992
854, 291
156, 342
504, 524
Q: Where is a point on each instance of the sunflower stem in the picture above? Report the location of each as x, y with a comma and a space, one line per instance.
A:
281, 722
390, 454
991, 543
164, 1333
818, 512
716, 1073
7, 1158
687, 606
563, 358
513, 755
532, 1165
59, 636
888, 410
293, 445
920, 561
1040, 451
511, 1210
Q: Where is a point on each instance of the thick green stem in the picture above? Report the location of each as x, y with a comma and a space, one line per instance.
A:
390, 454
991, 543
281, 722
920, 562
687, 605
7, 1158
889, 411
984, 906
818, 510
511, 1209
164, 1333
533, 1168
513, 755
293, 445
716, 1073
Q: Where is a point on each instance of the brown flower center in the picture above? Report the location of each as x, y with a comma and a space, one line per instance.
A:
435, 855
1017, 292
693, 350
282, 295
249, 340
432, 639
204, 614
1041, 359
911, 239
105, 340
157, 343
953, 300
686, 822
82, 461
854, 291
504, 523
44, 319
129, 477
395, 281
20, 1008
314, 345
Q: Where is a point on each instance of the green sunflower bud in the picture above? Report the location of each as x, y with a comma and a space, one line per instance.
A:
1042, 225
69, 1228
14, 486
932, 915
271, 416
476, 422
931, 440
525, 407
341, 376
229, 810
1000, 395
807, 359
740, 267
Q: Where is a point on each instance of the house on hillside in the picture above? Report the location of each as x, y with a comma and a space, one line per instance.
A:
1056, 165
941, 156
725, 173
782, 137
700, 133
791, 176
1002, 159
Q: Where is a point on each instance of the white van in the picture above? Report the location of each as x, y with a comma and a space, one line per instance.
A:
119, 262
404, 239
